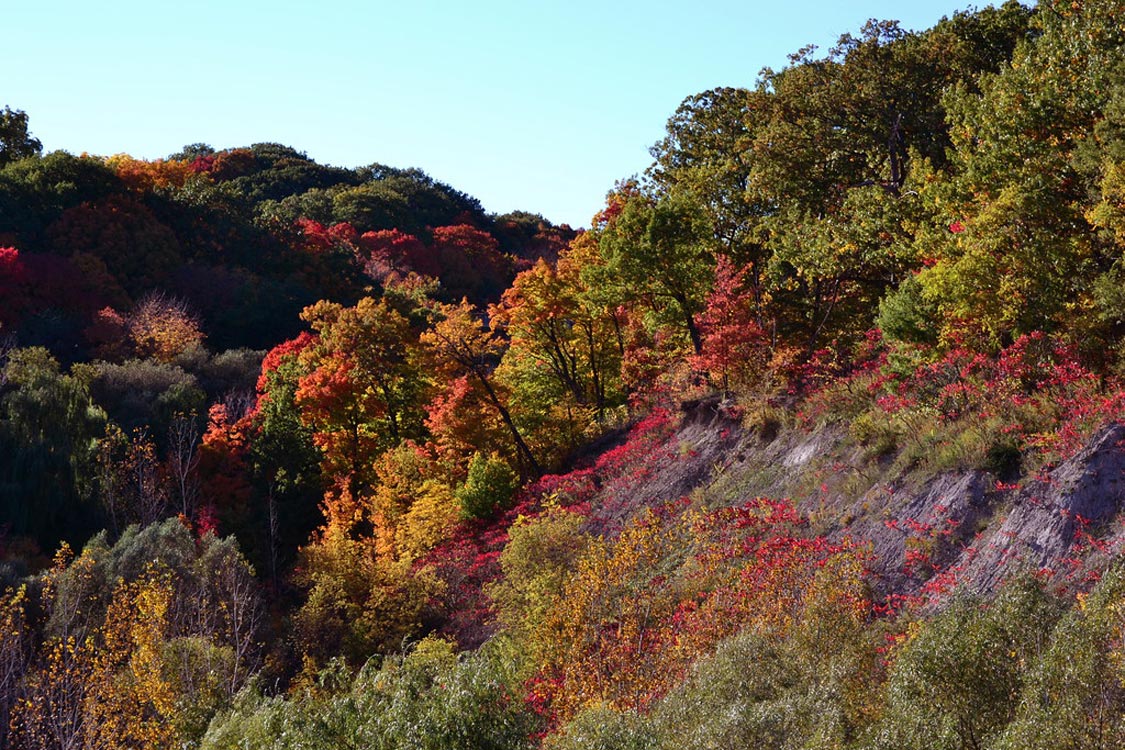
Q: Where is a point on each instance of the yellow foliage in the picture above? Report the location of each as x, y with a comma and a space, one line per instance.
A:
145, 176
162, 327
130, 702
431, 516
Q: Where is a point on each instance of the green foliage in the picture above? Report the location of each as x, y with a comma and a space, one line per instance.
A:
285, 464
408, 200
1074, 696
1024, 167
541, 554
750, 693
489, 486
37, 191
48, 431
15, 140
234, 371
140, 394
907, 315
659, 253
603, 728
955, 683
429, 699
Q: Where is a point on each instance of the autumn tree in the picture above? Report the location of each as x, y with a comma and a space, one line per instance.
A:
462, 346
15, 653
147, 176
162, 327
130, 702
363, 390
283, 456
557, 330
735, 349
393, 251
144, 641
471, 262
14, 282
137, 248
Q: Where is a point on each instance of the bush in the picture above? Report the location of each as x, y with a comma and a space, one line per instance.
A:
488, 488
956, 681
602, 728
428, 700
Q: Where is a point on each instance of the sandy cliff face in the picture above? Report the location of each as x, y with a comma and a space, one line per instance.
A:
925, 531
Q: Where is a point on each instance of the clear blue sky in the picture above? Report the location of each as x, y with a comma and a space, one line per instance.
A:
538, 106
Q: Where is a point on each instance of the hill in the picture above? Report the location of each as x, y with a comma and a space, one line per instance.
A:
812, 439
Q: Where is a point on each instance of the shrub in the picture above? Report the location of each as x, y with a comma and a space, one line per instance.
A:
488, 488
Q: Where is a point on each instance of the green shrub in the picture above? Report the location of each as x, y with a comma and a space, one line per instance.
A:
489, 486
431, 699
602, 728
954, 684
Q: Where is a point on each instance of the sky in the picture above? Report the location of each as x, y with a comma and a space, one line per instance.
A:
525, 105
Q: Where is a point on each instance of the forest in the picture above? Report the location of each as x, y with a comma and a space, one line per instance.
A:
811, 440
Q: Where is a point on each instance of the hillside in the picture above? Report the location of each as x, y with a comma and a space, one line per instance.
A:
959, 529
812, 440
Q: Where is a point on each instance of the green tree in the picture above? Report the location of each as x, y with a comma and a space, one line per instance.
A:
15, 140
488, 487
956, 682
659, 251
49, 429
1024, 169
1074, 696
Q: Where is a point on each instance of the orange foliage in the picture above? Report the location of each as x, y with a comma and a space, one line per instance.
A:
642, 607
163, 327
146, 176
222, 466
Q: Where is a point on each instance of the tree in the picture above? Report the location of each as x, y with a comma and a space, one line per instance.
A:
1027, 160
162, 327
14, 287
15, 140
364, 389
471, 263
735, 349
283, 456
659, 250
49, 429
709, 151
557, 330
1074, 695
956, 682
15, 652
488, 487
461, 346
138, 249
130, 702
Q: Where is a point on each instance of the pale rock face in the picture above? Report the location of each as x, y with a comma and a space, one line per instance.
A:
966, 521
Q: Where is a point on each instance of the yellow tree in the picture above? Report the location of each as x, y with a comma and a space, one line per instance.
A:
163, 327
14, 650
130, 703
607, 636
52, 711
